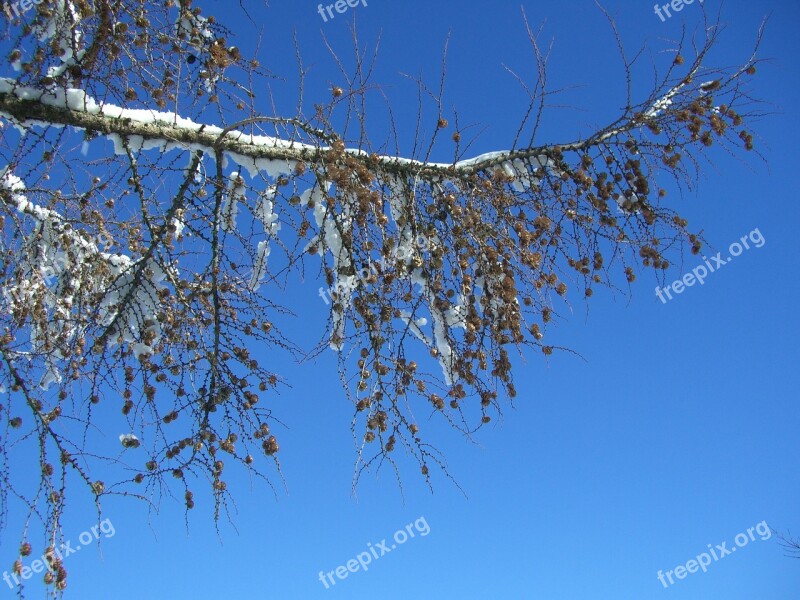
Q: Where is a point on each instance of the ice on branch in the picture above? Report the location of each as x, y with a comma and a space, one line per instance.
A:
230, 206
523, 172
333, 229
264, 211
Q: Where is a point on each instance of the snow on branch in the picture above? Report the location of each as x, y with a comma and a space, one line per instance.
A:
163, 130
61, 270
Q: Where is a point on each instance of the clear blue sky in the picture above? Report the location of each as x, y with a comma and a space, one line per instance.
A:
680, 428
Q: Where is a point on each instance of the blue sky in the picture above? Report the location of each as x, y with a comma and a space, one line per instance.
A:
676, 428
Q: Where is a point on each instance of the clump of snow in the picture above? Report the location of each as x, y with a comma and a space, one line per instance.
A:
331, 226
264, 211
230, 206
523, 172
128, 440
629, 203
130, 306
195, 28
